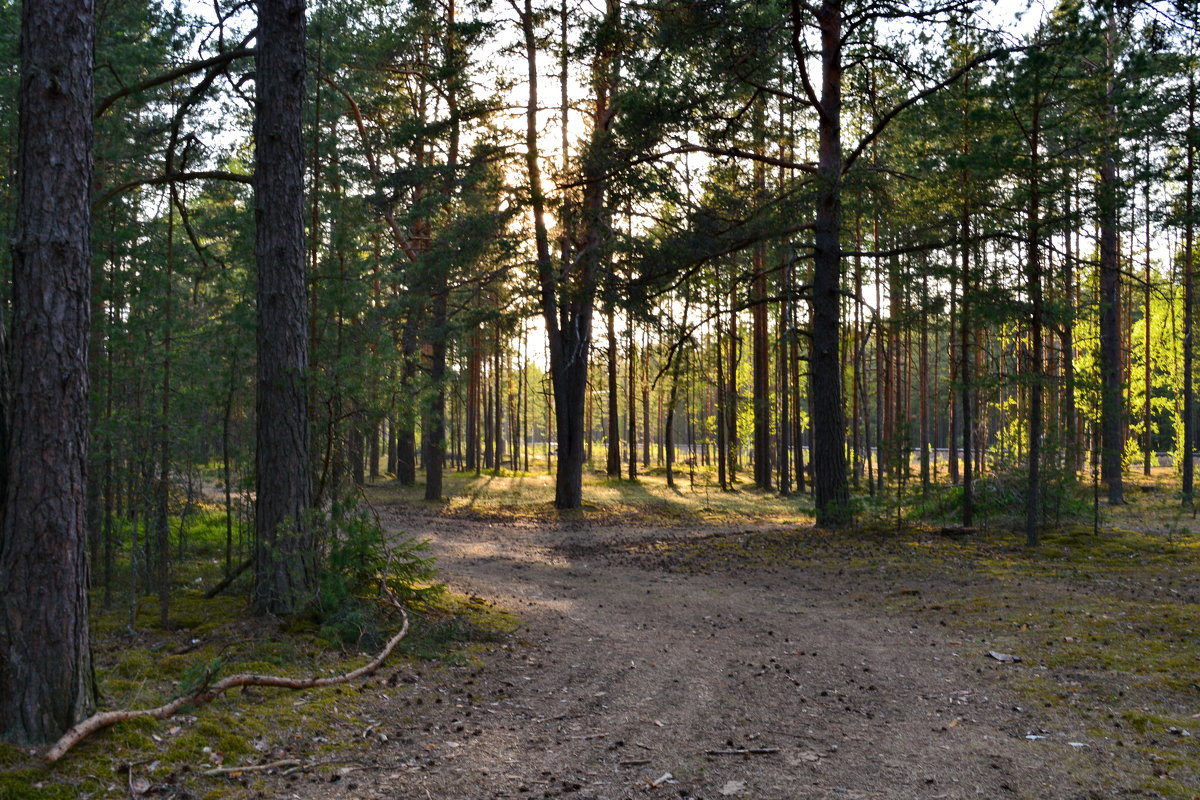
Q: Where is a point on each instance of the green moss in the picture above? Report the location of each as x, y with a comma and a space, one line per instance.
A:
222, 734
133, 664
11, 754
34, 784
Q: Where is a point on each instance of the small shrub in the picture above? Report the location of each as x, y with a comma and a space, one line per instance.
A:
361, 568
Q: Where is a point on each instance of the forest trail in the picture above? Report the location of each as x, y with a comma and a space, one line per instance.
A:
628, 678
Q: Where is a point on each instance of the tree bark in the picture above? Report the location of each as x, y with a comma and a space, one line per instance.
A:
1111, 411
613, 461
285, 557
1033, 278
46, 679
830, 489
631, 404
1189, 297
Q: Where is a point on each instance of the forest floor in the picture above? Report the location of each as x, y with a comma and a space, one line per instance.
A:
700, 645
708, 652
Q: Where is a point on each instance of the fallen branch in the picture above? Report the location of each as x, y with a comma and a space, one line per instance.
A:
229, 579
287, 762
206, 693
744, 751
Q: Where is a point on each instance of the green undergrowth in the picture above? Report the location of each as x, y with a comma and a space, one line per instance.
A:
209, 639
141, 663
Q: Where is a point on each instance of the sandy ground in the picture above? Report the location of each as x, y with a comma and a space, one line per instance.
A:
629, 679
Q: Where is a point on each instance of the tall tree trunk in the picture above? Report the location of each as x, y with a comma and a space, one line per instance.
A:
631, 396
923, 371
732, 441
830, 488
1111, 410
1147, 418
645, 386
1189, 296
784, 390
46, 680
162, 512
613, 461
967, 422
1033, 279
285, 558
474, 381
761, 364
406, 426
722, 418
568, 298
434, 432
1073, 451
952, 366
498, 401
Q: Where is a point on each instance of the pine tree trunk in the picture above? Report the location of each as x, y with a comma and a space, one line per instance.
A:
285, 560
1111, 411
567, 308
434, 434
964, 371
923, 371
631, 409
406, 433
613, 461
1189, 297
474, 380
830, 489
1033, 278
46, 680
722, 418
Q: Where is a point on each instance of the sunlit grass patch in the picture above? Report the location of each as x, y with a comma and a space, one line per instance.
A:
530, 496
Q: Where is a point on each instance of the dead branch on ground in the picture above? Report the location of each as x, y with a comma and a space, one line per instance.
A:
208, 692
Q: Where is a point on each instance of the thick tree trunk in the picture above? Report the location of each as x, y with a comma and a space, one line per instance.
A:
406, 427
434, 435
285, 558
46, 681
568, 298
830, 489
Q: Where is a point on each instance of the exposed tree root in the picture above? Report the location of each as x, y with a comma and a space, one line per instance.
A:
207, 692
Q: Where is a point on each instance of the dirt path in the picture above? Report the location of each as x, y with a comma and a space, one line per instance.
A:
630, 681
